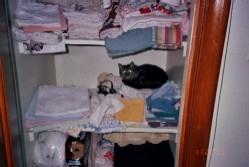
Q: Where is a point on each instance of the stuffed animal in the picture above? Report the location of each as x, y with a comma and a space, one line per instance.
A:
109, 83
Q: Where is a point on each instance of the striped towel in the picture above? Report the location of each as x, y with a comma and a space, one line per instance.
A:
167, 37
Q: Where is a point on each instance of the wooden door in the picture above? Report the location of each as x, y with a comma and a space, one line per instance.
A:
205, 54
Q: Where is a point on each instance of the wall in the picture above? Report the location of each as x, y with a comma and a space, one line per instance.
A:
83, 64
229, 143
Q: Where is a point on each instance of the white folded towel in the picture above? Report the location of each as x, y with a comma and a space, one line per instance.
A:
58, 101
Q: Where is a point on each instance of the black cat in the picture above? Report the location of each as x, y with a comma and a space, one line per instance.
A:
143, 76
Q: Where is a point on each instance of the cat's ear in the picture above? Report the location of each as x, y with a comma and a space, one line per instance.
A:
132, 63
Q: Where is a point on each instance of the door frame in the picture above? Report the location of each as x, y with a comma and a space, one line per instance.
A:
205, 55
4, 120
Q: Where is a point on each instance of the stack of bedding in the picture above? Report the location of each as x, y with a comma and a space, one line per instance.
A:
163, 106
59, 108
84, 24
128, 27
147, 25
40, 26
131, 107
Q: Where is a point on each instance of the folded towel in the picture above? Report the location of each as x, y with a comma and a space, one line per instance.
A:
60, 101
133, 110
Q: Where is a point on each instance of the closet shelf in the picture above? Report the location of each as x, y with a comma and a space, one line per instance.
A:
102, 43
169, 130
130, 129
151, 130
144, 129
61, 47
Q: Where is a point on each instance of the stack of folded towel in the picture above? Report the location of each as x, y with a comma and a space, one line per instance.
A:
163, 106
55, 107
84, 24
39, 25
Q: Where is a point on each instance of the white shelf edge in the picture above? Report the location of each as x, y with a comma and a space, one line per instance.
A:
81, 42
151, 130
142, 129
170, 130
84, 42
102, 43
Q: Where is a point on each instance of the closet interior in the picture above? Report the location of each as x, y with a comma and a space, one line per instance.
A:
76, 109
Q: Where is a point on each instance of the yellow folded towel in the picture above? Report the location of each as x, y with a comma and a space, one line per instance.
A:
133, 110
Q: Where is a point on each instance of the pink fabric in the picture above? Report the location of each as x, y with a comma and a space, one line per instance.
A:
31, 124
185, 24
43, 28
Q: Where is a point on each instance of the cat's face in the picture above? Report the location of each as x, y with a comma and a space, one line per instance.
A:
128, 71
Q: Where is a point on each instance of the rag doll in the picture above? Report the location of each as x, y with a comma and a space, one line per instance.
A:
143, 76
